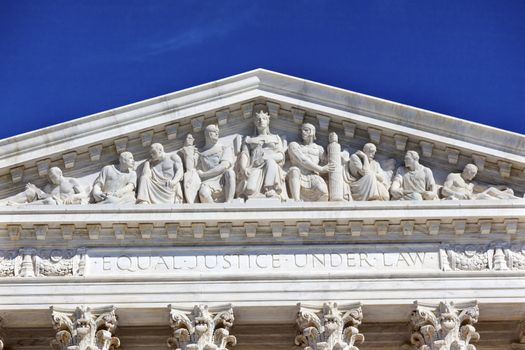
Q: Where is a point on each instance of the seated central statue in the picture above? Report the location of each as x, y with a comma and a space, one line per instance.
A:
59, 190
460, 186
160, 179
413, 181
260, 171
215, 169
303, 177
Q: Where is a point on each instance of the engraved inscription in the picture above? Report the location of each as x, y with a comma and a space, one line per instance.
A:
165, 262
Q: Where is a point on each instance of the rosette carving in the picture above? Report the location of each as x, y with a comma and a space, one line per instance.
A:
201, 328
84, 328
448, 326
330, 327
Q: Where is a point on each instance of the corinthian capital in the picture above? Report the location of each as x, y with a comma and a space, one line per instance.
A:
201, 328
330, 327
84, 328
446, 326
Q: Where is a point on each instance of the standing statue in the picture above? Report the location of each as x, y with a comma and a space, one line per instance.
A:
116, 185
413, 181
336, 182
370, 182
215, 169
191, 180
303, 177
459, 186
59, 190
160, 179
260, 172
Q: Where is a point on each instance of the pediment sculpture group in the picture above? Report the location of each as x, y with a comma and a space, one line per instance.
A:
262, 166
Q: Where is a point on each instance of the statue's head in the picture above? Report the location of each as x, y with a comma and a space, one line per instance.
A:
189, 140
211, 134
156, 151
370, 150
308, 131
55, 175
262, 120
332, 137
126, 160
470, 171
411, 159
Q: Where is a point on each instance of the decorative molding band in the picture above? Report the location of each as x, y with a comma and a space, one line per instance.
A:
395, 219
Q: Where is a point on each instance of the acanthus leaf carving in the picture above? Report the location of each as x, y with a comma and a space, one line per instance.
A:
84, 328
330, 327
447, 326
201, 328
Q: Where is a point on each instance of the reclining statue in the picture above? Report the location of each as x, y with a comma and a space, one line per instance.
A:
60, 190
460, 186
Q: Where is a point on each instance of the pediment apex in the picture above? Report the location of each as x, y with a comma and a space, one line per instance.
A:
293, 97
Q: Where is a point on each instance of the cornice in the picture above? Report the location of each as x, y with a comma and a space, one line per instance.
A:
256, 223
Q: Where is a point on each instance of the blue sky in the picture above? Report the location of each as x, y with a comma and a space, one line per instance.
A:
61, 60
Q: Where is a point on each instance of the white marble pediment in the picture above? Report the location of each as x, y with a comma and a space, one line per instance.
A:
82, 147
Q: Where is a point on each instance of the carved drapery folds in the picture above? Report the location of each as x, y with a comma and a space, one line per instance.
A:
448, 326
84, 328
260, 166
201, 328
330, 327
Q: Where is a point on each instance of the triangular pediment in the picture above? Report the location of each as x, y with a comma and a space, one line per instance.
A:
83, 146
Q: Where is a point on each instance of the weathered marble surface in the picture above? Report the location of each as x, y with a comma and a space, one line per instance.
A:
160, 179
59, 190
371, 259
84, 328
263, 167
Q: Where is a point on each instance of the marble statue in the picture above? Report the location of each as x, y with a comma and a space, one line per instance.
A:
59, 190
260, 163
337, 188
215, 169
460, 186
413, 181
303, 176
369, 181
191, 179
160, 179
116, 185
